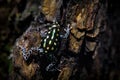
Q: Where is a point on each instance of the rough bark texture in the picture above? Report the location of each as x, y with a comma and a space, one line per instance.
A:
87, 20
85, 55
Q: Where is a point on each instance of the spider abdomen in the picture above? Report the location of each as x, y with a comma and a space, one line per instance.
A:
51, 42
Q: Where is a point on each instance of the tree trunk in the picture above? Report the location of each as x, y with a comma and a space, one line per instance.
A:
78, 55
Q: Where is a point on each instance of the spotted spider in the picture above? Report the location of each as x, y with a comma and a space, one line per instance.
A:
49, 43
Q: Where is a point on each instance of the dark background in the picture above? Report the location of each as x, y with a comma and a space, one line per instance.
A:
9, 33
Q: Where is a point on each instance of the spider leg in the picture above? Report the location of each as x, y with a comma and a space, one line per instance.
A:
25, 54
67, 30
53, 65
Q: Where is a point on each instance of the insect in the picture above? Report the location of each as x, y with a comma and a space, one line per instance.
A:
49, 44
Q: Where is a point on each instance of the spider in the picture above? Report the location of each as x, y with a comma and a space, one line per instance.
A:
49, 44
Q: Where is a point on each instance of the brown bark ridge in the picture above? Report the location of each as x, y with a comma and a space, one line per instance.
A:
87, 20
26, 69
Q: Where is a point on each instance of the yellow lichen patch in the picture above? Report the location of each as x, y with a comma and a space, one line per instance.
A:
29, 70
74, 44
81, 19
45, 6
65, 74
74, 31
77, 33
86, 17
49, 8
80, 34
78, 18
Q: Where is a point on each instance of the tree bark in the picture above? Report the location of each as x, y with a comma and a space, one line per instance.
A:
87, 21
